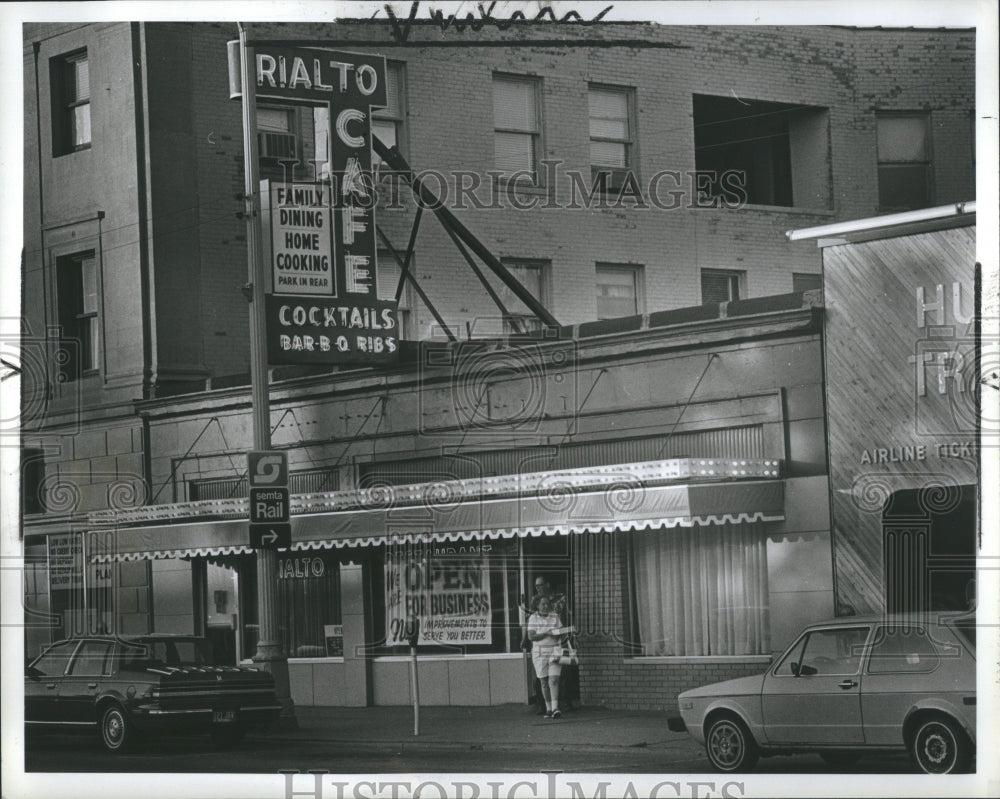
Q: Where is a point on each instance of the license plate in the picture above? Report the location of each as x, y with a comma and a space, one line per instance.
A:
223, 716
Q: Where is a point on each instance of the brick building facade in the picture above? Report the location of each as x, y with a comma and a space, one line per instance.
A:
135, 263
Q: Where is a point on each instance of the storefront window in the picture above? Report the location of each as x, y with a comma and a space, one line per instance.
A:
309, 608
465, 595
700, 591
309, 604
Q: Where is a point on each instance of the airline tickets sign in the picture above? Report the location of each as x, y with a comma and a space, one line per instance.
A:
323, 307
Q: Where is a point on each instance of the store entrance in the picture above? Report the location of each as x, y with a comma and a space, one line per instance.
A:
548, 558
222, 620
929, 549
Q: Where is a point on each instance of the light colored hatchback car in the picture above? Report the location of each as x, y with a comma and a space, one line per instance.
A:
846, 687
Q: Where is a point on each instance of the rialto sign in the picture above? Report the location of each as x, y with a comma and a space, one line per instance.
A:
321, 236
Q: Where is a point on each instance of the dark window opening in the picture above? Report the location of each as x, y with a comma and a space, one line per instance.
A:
32, 479
930, 549
779, 151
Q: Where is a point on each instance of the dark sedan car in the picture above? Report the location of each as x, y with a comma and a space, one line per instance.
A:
126, 688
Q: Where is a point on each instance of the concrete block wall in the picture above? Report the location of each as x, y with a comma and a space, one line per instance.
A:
96, 466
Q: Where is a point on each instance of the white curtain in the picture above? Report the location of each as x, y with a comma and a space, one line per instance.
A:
702, 590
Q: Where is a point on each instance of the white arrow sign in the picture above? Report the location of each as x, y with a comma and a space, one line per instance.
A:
270, 537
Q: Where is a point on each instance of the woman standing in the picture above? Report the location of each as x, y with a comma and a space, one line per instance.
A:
542, 628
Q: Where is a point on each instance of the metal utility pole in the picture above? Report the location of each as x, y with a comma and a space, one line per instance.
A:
269, 652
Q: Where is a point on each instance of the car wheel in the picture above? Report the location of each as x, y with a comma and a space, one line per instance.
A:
938, 746
840, 759
118, 733
730, 746
226, 737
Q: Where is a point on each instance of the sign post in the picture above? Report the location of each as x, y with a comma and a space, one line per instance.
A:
269, 653
412, 636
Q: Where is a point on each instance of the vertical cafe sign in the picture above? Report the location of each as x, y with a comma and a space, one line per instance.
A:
323, 306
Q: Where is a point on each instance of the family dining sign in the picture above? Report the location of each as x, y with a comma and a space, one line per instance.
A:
322, 306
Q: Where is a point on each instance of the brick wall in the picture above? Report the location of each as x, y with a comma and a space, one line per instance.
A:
611, 673
196, 165
449, 126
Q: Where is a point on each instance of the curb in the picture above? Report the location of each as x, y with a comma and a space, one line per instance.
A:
416, 744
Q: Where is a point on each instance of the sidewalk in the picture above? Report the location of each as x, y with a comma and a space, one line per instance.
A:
488, 728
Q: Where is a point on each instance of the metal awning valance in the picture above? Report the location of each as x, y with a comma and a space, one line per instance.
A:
613, 509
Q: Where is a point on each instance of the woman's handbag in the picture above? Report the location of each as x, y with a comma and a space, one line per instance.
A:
565, 655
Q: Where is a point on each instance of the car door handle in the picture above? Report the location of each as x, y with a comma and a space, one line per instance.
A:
847, 684
91, 684
51, 686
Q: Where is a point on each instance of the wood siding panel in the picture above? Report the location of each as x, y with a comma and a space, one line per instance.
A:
873, 347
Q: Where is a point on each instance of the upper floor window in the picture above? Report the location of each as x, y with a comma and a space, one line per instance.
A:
722, 285
78, 298
276, 140
70, 81
533, 275
761, 153
387, 123
904, 161
516, 124
619, 290
388, 275
611, 132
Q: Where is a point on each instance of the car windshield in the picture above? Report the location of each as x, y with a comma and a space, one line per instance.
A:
170, 652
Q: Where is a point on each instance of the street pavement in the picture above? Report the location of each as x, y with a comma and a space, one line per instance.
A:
496, 728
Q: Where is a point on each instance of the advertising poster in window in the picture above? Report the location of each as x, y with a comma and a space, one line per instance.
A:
450, 595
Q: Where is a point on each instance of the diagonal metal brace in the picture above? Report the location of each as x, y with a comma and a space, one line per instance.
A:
413, 282
396, 161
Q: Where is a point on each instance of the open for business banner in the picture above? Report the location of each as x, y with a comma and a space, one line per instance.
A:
449, 595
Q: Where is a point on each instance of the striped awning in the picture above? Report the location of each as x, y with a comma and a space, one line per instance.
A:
615, 509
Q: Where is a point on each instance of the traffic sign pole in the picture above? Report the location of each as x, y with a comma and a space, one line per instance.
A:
269, 652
